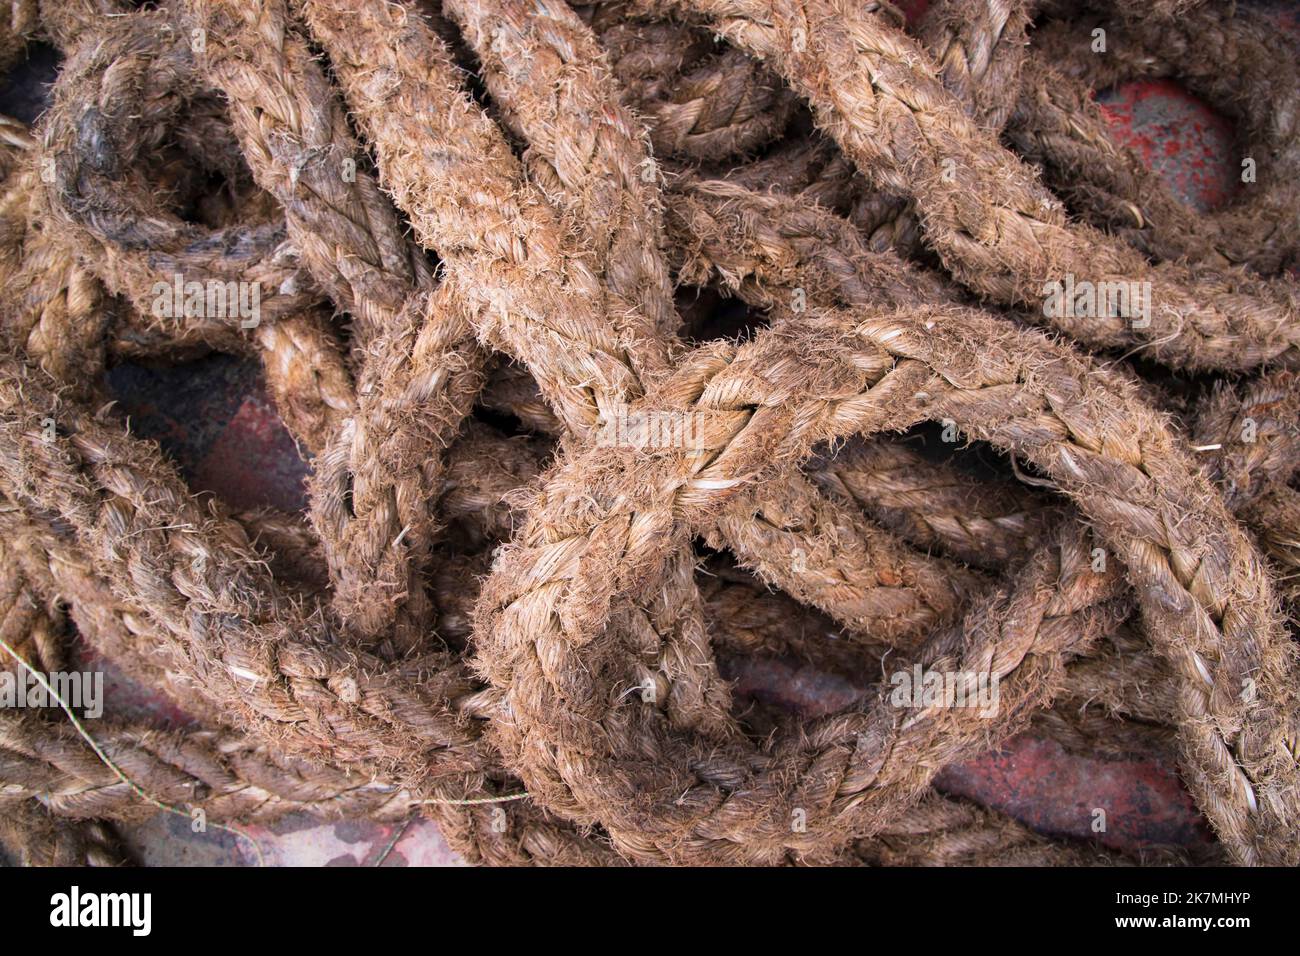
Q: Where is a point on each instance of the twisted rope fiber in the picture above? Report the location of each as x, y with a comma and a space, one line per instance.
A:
980, 48
60, 317
1233, 57
245, 777
898, 578
680, 602
759, 244
699, 102
58, 303
1259, 55
220, 775
575, 359
353, 246
314, 694
54, 307
103, 123
65, 22
295, 712
43, 681
797, 250
430, 83
832, 545
536, 66
49, 760
868, 581
18, 21
744, 620
529, 838
364, 500
455, 207
225, 776
935, 506
232, 781
1277, 514
979, 45
420, 368
1192, 579
1000, 233
294, 345
31, 836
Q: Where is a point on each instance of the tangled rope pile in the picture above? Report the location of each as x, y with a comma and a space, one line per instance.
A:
477, 216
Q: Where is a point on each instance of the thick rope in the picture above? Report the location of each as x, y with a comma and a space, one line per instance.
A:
338, 668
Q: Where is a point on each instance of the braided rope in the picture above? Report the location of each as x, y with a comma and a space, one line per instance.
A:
1234, 58
339, 669
851, 66
1192, 579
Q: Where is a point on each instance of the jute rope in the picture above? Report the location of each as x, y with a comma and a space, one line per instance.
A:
225, 778
1124, 681
576, 360
530, 629
30, 836
1235, 58
979, 46
221, 775
579, 714
700, 101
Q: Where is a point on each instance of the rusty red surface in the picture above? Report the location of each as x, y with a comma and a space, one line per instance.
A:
1061, 793
254, 459
1176, 134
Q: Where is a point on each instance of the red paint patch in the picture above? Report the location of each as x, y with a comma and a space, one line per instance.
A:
254, 462
1178, 136
1056, 792
914, 10
1034, 780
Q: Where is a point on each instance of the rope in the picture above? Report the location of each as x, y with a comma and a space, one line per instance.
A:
514, 602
